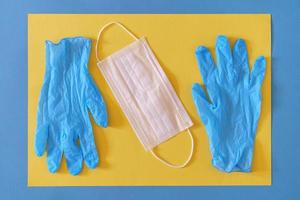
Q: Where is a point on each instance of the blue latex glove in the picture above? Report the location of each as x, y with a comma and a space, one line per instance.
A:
68, 92
231, 112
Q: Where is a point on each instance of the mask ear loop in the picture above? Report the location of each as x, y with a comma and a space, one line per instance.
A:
106, 26
180, 165
188, 130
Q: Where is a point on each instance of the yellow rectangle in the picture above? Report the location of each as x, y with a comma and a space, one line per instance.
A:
173, 38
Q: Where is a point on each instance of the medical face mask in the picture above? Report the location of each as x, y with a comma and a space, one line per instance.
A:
145, 94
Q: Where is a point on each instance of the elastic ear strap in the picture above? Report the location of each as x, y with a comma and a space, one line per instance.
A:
180, 165
107, 25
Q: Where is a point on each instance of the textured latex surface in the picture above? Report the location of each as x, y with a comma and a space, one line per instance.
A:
231, 110
68, 92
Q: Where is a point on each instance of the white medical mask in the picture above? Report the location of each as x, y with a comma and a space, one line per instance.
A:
145, 94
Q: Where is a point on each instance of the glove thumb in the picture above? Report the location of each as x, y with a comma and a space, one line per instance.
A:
41, 137
96, 104
258, 73
204, 107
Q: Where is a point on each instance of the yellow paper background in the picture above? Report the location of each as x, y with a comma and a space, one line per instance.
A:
173, 39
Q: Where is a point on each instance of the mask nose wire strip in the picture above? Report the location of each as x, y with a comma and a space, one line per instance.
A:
181, 165
106, 26
188, 130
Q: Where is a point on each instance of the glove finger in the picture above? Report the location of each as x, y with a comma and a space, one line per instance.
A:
41, 137
202, 104
206, 64
96, 104
224, 57
240, 59
54, 152
73, 156
88, 147
258, 73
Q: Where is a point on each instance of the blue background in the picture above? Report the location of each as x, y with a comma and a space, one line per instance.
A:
285, 94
